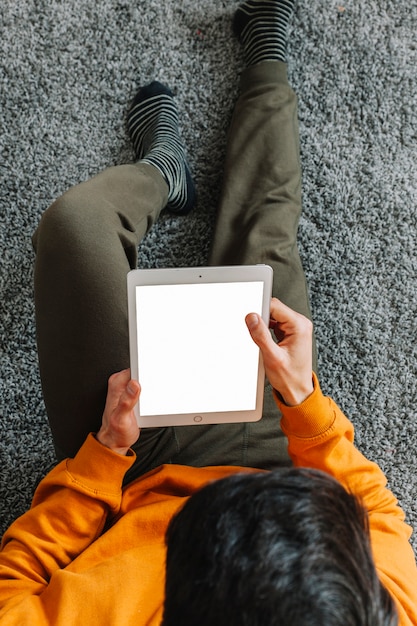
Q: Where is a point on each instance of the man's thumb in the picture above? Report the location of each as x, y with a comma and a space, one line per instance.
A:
257, 329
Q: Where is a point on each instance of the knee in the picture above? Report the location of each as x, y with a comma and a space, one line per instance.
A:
64, 221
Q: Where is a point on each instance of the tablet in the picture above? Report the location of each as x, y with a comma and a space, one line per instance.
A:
190, 348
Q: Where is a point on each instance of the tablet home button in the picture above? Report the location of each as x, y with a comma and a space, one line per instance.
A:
198, 418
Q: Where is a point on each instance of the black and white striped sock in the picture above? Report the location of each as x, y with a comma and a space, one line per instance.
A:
261, 26
152, 123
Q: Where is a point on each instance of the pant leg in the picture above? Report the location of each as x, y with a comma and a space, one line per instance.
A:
257, 222
86, 243
261, 203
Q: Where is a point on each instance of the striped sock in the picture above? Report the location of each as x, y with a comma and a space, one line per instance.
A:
261, 26
152, 123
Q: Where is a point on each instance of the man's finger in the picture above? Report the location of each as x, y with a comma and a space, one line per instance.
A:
289, 320
119, 379
130, 396
280, 312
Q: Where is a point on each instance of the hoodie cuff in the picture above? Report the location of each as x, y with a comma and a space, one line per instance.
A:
311, 418
98, 467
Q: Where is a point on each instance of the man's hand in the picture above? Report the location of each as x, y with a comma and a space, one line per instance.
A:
119, 430
288, 363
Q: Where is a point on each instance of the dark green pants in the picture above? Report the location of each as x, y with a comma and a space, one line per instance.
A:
87, 241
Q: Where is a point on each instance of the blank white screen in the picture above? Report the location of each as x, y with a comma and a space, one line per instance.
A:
195, 351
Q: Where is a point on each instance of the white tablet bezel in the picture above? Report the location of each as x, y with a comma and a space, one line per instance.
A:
196, 275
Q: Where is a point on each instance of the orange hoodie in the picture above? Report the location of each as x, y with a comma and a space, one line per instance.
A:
90, 552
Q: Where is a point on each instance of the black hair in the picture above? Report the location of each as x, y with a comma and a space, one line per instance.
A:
287, 547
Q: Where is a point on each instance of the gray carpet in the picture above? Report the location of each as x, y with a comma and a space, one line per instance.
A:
68, 71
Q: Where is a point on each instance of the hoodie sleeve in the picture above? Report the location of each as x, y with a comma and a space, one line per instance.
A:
321, 437
69, 511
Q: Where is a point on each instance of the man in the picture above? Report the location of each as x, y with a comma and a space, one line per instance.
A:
252, 546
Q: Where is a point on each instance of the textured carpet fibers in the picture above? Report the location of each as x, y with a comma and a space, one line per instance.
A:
67, 73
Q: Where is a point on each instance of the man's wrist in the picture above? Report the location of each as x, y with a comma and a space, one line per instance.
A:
295, 397
108, 443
